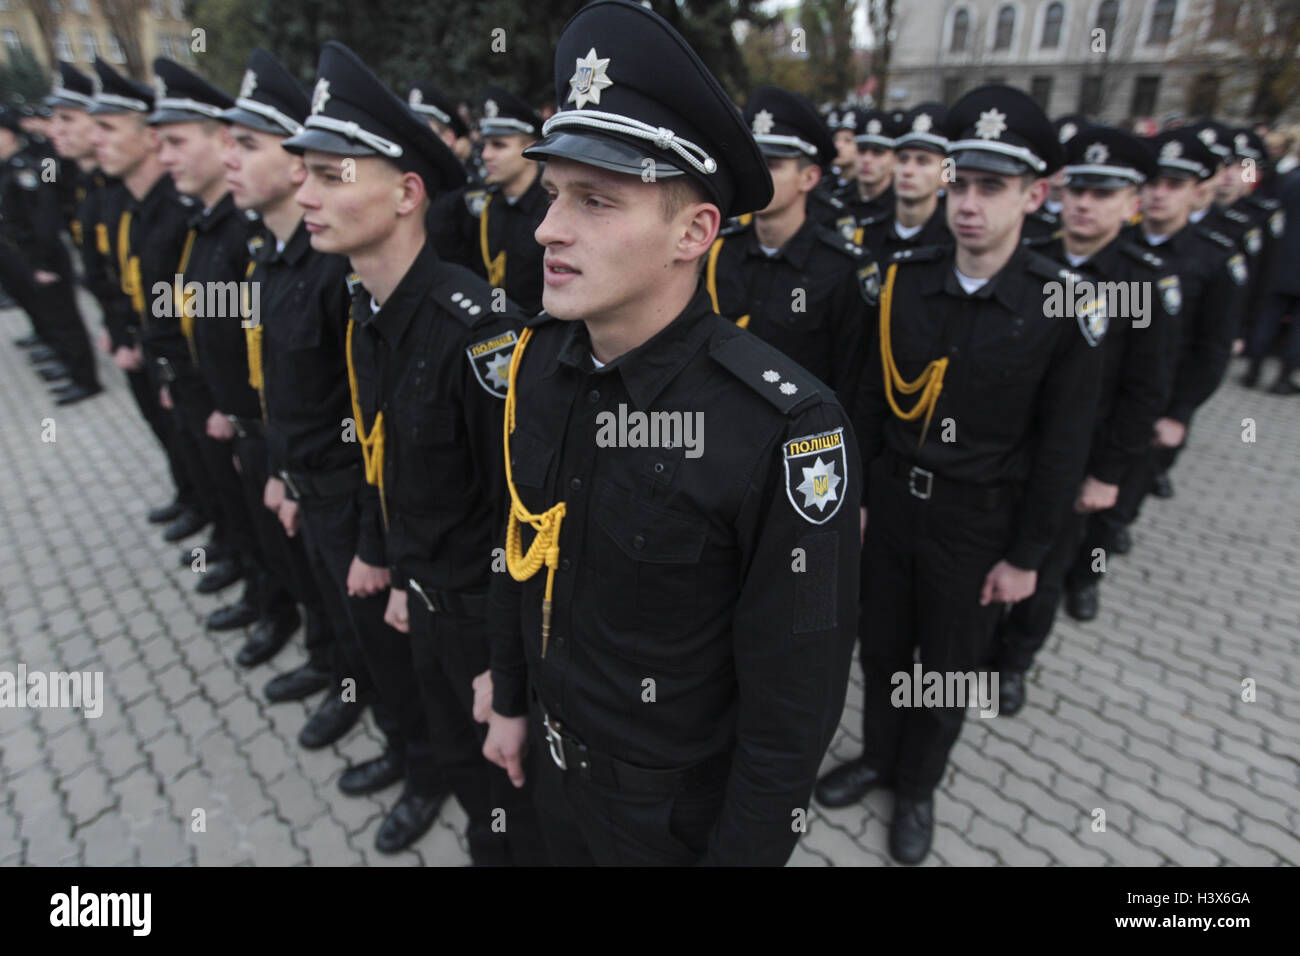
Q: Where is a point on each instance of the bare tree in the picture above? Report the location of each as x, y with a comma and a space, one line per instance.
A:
47, 22
124, 18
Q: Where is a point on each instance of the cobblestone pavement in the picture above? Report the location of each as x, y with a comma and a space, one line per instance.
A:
1139, 714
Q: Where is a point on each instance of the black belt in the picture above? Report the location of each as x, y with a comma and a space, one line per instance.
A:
248, 427
570, 754
927, 486
323, 484
458, 604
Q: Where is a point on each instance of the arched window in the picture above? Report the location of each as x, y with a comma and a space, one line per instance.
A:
960, 30
1108, 17
1052, 25
1162, 23
1006, 27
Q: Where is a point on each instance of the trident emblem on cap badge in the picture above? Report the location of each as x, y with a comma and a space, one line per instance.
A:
589, 79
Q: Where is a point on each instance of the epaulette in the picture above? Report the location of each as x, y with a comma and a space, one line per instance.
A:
837, 242
1046, 268
1043, 239
475, 200
733, 227
1264, 202
1217, 237
469, 296
1238, 217
1145, 256
1045, 215
770, 373
919, 254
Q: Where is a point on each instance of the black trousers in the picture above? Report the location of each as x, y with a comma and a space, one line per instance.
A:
923, 566
63, 328
17, 281
586, 824
1135, 487
1090, 558
1024, 629
1277, 306
448, 653
163, 425
369, 652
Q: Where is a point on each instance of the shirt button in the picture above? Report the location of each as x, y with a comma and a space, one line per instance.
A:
565, 564
575, 484
638, 542
659, 468
593, 396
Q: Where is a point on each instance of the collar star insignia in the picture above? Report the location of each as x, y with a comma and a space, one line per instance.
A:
1067, 132
850, 120
1241, 142
991, 124
873, 128
1096, 153
1206, 136
588, 79
762, 123
922, 124
771, 375
416, 98
499, 369
1171, 150
320, 95
820, 484
490, 109
247, 87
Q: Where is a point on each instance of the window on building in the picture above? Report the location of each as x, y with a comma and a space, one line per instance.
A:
1203, 95
1006, 27
1162, 21
1040, 88
1052, 25
63, 46
1107, 18
960, 30
1224, 22
89, 45
951, 89
1145, 91
115, 53
1090, 95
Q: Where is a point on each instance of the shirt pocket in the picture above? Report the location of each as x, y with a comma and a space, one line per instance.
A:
432, 471
648, 570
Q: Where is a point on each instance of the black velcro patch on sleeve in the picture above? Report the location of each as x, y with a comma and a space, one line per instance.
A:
815, 587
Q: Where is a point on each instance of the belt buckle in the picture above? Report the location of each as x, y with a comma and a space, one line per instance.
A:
912, 475
428, 602
239, 429
555, 742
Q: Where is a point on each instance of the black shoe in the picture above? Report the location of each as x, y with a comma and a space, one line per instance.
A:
212, 552
190, 522
1250, 378
408, 821
912, 830
847, 784
77, 393
1161, 487
332, 720
1284, 386
1011, 692
232, 617
54, 372
1081, 604
271, 634
42, 354
167, 513
220, 575
373, 775
1121, 542
28, 341
296, 684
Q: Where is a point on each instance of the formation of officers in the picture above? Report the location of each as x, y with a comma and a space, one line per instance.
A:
377, 355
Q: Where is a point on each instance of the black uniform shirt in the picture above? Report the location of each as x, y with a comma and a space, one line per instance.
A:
435, 360
159, 224
881, 239
806, 300
726, 575
1020, 387
31, 219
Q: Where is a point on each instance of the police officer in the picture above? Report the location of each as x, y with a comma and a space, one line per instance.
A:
126, 151
1212, 276
1269, 302
492, 231
440, 111
1044, 223
682, 608
824, 204
793, 283
1104, 171
36, 268
872, 193
968, 480
918, 217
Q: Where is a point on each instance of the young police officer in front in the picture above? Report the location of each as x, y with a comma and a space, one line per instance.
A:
684, 619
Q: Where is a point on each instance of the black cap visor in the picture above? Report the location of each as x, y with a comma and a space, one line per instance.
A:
242, 117
604, 152
325, 141
990, 162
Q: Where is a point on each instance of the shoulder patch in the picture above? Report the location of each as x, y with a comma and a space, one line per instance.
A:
766, 371
846, 226
490, 360
1277, 224
1254, 240
1094, 320
816, 467
1237, 268
475, 200
869, 282
1171, 293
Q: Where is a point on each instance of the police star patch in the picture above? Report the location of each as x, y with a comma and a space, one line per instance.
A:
1171, 294
869, 280
816, 468
490, 360
1094, 320
1237, 269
